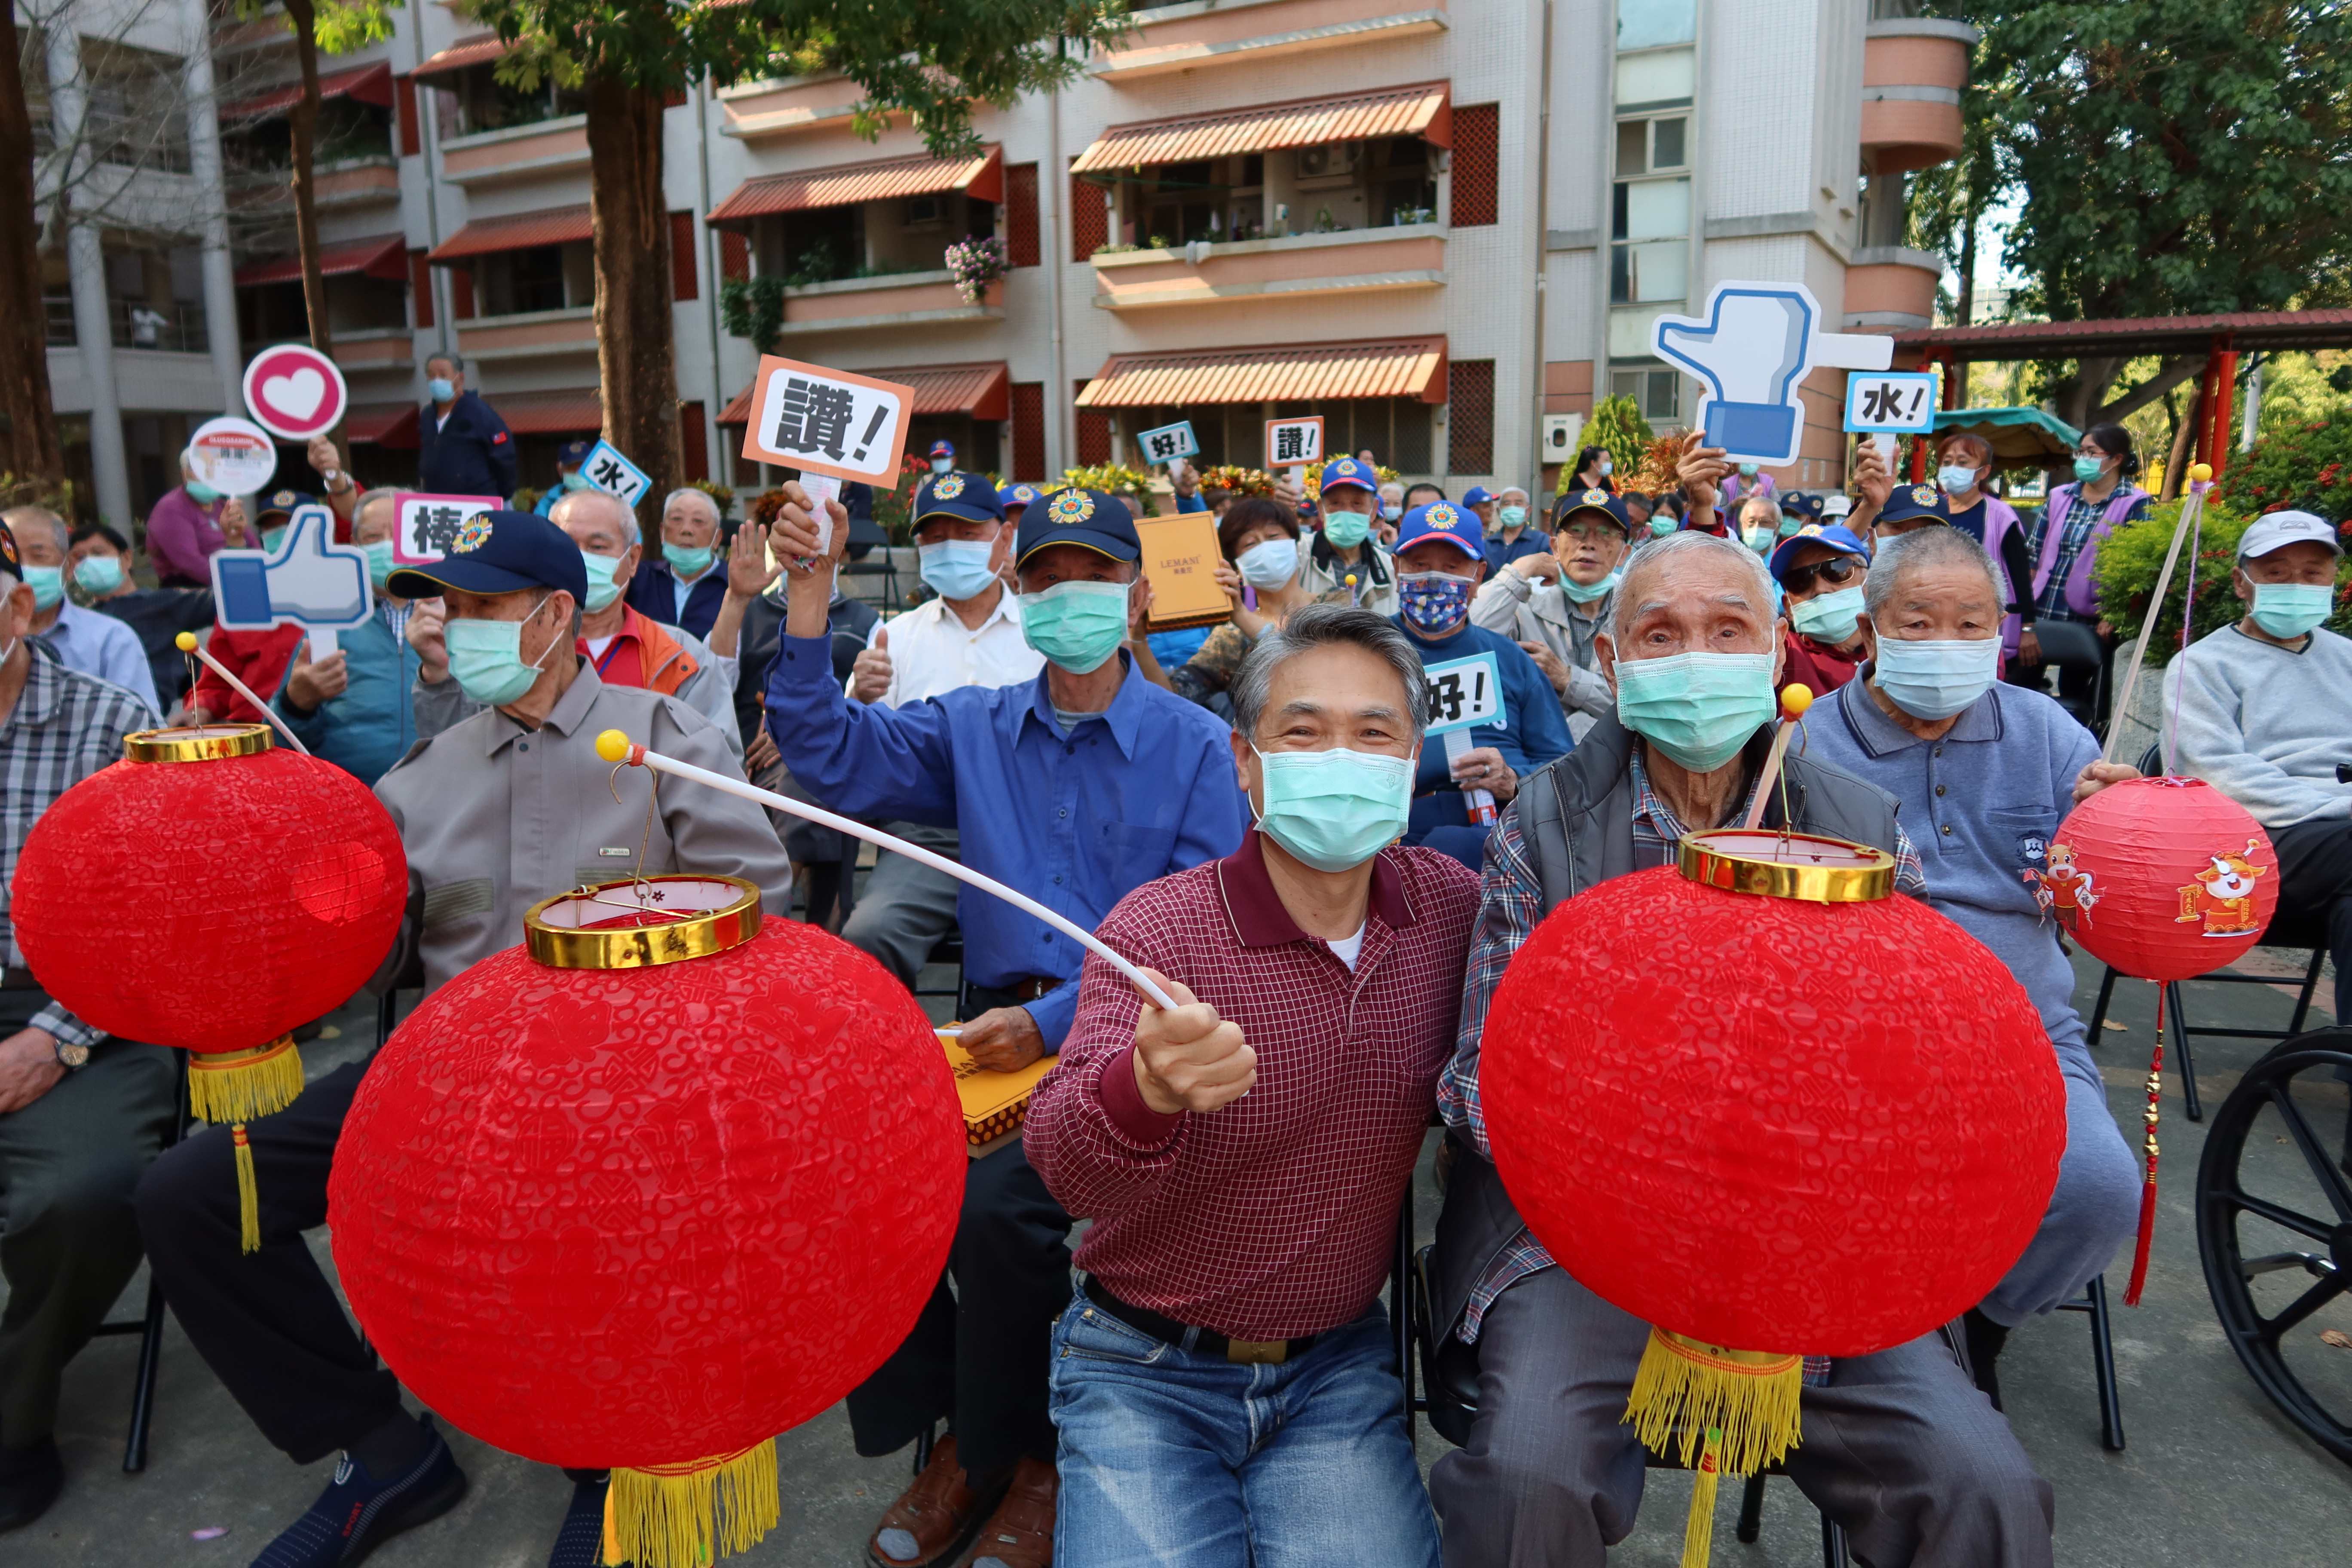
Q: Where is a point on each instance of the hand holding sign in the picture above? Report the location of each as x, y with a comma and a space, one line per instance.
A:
311, 582
797, 538
1754, 346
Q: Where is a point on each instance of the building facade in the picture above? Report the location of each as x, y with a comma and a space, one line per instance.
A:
1436, 222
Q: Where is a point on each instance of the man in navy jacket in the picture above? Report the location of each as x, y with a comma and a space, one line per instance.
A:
464, 448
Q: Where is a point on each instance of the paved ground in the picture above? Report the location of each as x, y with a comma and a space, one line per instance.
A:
2213, 1474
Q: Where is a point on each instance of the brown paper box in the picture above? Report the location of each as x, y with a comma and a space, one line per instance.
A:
1180, 559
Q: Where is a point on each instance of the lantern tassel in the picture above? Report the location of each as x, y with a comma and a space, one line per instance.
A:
1743, 1402
1699, 1535
248, 1197
238, 1086
2147, 1188
686, 1516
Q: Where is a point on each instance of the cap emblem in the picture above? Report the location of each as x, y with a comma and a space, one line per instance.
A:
1071, 507
1594, 498
473, 536
950, 485
1440, 515
1924, 494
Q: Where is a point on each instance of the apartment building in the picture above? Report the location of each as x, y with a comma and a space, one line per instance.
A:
1436, 222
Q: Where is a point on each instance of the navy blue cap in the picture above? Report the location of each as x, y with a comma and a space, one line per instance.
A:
1914, 503
1349, 471
1094, 519
1010, 496
943, 449
1613, 507
1836, 536
1443, 520
281, 503
498, 553
1796, 504
571, 454
956, 494
1476, 495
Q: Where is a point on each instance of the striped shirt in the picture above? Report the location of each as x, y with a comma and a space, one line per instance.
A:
65, 727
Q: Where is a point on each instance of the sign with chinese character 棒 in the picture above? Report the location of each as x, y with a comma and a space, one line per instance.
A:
1465, 693
829, 422
605, 469
1169, 442
1293, 442
425, 525
1889, 401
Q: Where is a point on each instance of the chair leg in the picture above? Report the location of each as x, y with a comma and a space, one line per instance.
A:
2099, 1013
2183, 1061
143, 1397
386, 1006
2103, 1367
1751, 1510
2310, 984
1832, 1544
1401, 1305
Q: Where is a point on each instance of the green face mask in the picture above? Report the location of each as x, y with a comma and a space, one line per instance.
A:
99, 573
380, 560
1337, 808
48, 585
1511, 516
486, 659
200, 492
271, 538
601, 589
684, 562
1078, 626
1698, 708
2286, 609
1662, 525
2087, 469
1829, 617
1585, 592
1348, 528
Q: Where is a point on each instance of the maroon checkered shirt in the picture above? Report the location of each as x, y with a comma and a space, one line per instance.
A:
1273, 1216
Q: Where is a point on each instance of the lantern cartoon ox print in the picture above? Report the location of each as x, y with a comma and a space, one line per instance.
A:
646, 1191
1762, 1166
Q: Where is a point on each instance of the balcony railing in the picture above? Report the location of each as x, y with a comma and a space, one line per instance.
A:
176, 328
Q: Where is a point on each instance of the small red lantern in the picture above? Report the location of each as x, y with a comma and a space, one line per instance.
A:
647, 1190
1761, 1154
270, 887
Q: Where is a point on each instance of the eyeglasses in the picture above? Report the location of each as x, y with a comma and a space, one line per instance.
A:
1836, 571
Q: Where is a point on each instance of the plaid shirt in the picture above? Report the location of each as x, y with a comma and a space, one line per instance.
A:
65, 727
2074, 531
1510, 905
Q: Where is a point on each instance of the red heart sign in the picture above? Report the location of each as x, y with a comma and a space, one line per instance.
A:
295, 392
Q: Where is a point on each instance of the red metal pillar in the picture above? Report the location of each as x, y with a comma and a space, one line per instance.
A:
2200, 448
2225, 387
1920, 444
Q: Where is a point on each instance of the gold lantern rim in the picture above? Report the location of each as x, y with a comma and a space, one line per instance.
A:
706, 929
196, 744
1808, 867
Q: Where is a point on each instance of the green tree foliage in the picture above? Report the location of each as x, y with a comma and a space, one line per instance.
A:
1617, 424
2132, 558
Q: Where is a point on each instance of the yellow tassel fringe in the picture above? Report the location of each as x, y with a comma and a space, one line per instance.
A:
686, 1516
1699, 1535
248, 1197
238, 1086
1686, 1389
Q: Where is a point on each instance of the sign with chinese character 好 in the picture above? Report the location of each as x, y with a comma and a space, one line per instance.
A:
1169, 442
1891, 401
1465, 693
827, 421
1293, 442
605, 469
425, 525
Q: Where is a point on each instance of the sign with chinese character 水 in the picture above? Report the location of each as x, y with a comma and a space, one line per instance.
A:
424, 525
1896, 401
1293, 442
605, 469
1169, 442
827, 421
1465, 693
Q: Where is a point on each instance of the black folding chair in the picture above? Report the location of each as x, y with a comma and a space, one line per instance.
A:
2072, 645
2093, 1303
149, 1324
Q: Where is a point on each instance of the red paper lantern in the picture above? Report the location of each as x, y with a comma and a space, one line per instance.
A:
2166, 878
644, 1192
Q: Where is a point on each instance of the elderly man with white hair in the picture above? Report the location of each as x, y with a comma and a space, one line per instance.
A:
1511, 538
1898, 1448
685, 581
82, 639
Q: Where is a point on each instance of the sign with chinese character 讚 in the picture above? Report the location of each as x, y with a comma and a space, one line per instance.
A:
1890, 401
829, 422
1168, 442
605, 469
1465, 693
425, 525
1293, 442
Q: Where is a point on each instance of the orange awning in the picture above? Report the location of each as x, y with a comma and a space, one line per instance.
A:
573, 410
984, 391
557, 226
1305, 373
392, 425
369, 84
479, 50
383, 257
981, 177
1424, 111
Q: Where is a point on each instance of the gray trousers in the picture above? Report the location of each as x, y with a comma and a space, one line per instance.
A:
905, 908
2094, 1211
1899, 1447
69, 1164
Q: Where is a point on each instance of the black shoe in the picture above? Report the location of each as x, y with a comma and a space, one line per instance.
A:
30, 1480
357, 1513
581, 1543
1986, 1339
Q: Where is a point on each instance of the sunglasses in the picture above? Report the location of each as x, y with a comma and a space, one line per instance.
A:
1836, 571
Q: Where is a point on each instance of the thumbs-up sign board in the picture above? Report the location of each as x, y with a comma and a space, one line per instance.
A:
309, 581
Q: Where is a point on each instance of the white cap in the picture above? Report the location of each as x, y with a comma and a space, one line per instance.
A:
2274, 530
1837, 506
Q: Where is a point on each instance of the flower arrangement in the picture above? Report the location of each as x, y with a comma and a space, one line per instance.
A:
1235, 479
2307, 468
1131, 485
977, 263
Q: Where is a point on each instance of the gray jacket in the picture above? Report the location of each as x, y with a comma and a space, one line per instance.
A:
1576, 816
709, 692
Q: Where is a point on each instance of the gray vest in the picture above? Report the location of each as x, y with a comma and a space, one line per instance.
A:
1576, 816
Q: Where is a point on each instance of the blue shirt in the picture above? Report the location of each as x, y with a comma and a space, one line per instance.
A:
1077, 822
1530, 542
103, 647
654, 591
1535, 730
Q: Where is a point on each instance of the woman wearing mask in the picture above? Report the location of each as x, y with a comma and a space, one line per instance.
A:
191, 522
2065, 547
1553, 606
1748, 483
1962, 467
1593, 467
1259, 537
1342, 556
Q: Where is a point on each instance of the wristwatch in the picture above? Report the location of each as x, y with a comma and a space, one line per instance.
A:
331, 475
71, 1056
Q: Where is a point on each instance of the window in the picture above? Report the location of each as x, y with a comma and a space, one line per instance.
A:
1021, 215
486, 103
1646, 24
520, 282
137, 113
693, 443
1469, 417
1404, 182
734, 257
1090, 217
1655, 63
1476, 131
1397, 429
1028, 429
412, 140
683, 273
1094, 434
1658, 392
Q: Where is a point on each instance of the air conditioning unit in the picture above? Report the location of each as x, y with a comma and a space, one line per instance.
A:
927, 209
1332, 158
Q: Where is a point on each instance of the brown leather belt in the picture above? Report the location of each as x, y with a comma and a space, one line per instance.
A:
1208, 1342
1027, 990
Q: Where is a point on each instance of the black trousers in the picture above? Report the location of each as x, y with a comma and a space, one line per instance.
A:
2316, 879
267, 1324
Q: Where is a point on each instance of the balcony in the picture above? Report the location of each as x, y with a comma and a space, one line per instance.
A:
537, 334
763, 110
348, 185
1302, 266
1204, 33
894, 299
1912, 72
376, 348
557, 146
1892, 287
175, 328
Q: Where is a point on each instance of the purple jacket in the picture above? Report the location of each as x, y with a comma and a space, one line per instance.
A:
2082, 591
1999, 517
182, 536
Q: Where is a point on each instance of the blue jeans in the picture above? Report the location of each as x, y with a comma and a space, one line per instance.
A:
1174, 1459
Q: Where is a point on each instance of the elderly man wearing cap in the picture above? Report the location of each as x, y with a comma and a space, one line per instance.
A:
260, 660
506, 808
1077, 788
687, 586
569, 458
944, 456
1015, 499
1554, 605
1439, 561
2263, 711
1343, 555
1821, 571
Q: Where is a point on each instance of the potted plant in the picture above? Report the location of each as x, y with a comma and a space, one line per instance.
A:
976, 264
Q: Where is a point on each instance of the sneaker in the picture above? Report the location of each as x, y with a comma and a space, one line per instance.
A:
30, 1480
358, 1512
579, 1543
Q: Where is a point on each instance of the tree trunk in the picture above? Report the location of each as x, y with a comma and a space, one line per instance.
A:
2184, 444
303, 122
34, 451
636, 356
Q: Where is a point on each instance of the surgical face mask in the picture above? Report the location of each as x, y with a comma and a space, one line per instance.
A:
200, 492
1746, 470
271, 538
1937, 678
1268, 563
601, 589
1335, 809
1433, 603
942, 465
1757, 537
2288, 609
574, 481
1662, 525
486, 659
1391, 511
1698, 708
685, 562
48, 585
1585, 592
1078, 626
441, 388
379, 561
2088, 469
1829, 617
1347, 528
1604, 467
1956, 481
99, 573
958, 568
1789, 525
1511, 516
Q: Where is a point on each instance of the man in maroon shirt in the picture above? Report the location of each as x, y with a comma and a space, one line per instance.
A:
1222, 1384
1820, 572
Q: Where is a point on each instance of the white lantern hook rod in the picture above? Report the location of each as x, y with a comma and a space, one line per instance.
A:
187, 643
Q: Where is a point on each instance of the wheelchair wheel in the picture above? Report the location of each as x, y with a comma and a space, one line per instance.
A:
2275, 1230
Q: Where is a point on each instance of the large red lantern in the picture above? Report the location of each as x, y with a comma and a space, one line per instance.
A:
1773, 1112
647, 1190
269, 887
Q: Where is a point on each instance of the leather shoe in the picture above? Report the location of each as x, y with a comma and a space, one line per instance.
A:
1020, 1533
933, 1518
30, 1480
